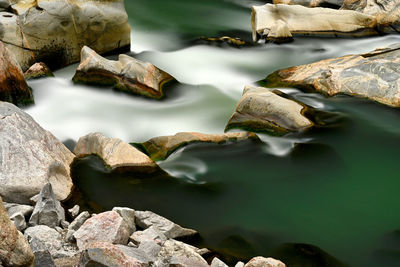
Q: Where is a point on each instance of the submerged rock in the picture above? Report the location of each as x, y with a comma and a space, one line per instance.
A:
159, 148
264, 262
312, 3
55, 31
38, 70
261, 109
13, 87
14, 249
115, 153
373, 75
31, 157
127, 74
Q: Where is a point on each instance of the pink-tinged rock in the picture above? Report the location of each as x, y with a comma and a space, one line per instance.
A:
107, 227
264, 262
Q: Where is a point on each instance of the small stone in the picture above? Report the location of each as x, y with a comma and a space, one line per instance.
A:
64, 224
150, 234
69, 237
74, 211
19, 221
12, 208
51, 239
79, 221
38, 70
34, 199
42, 255
59, 229
264, 262
239, 264
131, 244
128, 215
218, 263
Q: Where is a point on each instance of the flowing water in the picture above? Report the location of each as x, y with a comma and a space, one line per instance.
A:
335, 187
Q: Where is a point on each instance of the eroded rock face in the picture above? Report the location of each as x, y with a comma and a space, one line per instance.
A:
264, 262
30, 157
127, 74
373, 75
261, 109
312, 3
161, 147
115, 153
14, 249
55, 31
13, 87
38, 70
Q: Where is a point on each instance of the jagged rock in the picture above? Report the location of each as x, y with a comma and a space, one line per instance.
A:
175, 253
74, 211
218, 263
18, 220
161, 147
55, 31
38, 70
48, 210
13, 208
264, 262
115, 153
150, 234
299, 20
312, 3
127, 74
107, 227
13, 87
14, 249
261, 109
31, 157
146, 219
371, 75
42, 255
51, 239
239, 264
129, 216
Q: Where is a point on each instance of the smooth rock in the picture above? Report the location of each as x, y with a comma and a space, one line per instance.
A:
31, 157
48, 210
38, 70
18, 220
42, 255
12, 208
159, 148
146, 219
128, 215
55, 31
127, 74
312, 3
264, 262
51, 239
218, 263
74, 211
115, 153
107, 227
261, 109
373, 75
239, 264
14, 249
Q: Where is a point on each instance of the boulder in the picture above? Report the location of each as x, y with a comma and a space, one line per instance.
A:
106, 227
218, 263
38, 70
373, 75
49, 237
115, 153
48, 210
312, 3
161, 147
31, 158
13, 87
280, 22
129, 217
261, 109
127, 74
146, 219
264, 262
55, 31
14, 249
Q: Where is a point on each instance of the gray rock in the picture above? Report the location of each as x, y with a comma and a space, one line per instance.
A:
42, 255
264, 262
146, 219
69, 237
51, 239
106, 227
64, 224
48, 210
12, 208
79, 221
19, 221
239, 264
31, 157
74, 211
128, 215
218, 263
150, 234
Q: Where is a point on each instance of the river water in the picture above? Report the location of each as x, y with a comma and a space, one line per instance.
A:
335, 187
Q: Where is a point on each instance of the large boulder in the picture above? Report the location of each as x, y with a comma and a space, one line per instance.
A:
127, 74
13, 87
161, 147
55, 31
312, 3
31, 157
371, 75
14, 249
261, 109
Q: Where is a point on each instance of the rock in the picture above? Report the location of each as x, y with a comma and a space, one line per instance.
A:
42, 255
279, 33
150, 234
239, 264
31, 158
76, 224
127, 74
175, 253
218, 263
264, 262
64, 224
270, 21
51, 239
161, 147
107, 226
129, 216
261, 109
55, 31
48, 210
72, 261
312, 3
231, 41
115, 153
74, 211
38, 70
371, 75
13, 87
19, 221
12, 208
146, 219
14, 249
